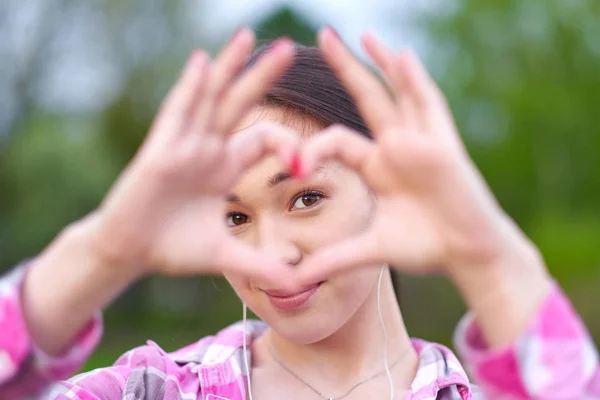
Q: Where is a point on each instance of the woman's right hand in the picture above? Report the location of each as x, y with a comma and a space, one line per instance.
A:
166, 212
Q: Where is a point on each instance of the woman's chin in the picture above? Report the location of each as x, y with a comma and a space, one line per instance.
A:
302, 333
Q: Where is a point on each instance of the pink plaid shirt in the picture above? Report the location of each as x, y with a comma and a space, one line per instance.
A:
553, 359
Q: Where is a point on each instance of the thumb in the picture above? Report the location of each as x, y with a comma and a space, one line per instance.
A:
337, 143
246, 148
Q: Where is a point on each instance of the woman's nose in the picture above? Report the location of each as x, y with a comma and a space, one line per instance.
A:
279, 243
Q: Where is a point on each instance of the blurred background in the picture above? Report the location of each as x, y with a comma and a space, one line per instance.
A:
81, 81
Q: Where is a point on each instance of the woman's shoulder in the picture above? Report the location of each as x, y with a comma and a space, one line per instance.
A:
209, 362
209, 350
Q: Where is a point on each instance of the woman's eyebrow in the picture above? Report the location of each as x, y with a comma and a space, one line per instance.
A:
273, 181
278, 178
283, 176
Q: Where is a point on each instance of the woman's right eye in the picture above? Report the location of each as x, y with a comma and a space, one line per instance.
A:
236, 219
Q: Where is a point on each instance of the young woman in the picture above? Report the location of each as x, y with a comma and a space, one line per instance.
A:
296, 175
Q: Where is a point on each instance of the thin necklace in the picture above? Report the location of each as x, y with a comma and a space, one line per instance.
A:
282, 365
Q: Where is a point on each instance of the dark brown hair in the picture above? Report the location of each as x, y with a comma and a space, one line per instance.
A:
310, 89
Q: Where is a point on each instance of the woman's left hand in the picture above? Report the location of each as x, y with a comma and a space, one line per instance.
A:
434, 211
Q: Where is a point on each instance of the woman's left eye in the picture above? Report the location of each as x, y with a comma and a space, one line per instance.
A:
306, 200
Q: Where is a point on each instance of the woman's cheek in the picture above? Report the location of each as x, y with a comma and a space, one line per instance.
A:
241, 285
342, 219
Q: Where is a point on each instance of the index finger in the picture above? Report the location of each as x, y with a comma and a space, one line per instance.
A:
253, 84
356, 252
240, 258
372, 100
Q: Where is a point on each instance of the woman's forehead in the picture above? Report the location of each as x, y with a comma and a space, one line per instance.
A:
302, 124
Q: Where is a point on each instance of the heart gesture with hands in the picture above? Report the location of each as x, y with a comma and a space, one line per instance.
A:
165, 214
435, 212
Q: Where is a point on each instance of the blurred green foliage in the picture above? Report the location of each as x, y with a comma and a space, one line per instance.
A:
522, 78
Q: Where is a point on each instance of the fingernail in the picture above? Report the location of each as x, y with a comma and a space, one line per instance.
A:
279, 43
333, 32
330, 37
295, 167
193, 56
328, 29
234, 35
237, 33
195, 59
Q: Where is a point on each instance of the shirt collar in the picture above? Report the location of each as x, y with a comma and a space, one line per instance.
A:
439, 369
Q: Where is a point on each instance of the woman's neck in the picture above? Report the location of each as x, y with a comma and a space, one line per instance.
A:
354, 352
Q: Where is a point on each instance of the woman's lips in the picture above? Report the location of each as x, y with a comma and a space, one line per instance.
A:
290, 301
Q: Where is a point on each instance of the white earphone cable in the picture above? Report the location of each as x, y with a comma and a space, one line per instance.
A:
245, 317
385, 360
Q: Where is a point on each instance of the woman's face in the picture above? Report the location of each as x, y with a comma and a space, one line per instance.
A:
291, 219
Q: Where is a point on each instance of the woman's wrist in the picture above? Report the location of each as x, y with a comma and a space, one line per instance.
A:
67, 284
505, 291
105, 252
